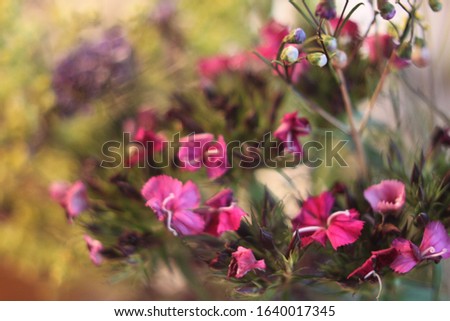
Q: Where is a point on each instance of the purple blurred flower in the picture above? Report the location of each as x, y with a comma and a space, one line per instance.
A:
73, 198
174, 203
435, 246
90, 71
290, 129
326, 9
242, 262
223, 214
95, 247
387, 196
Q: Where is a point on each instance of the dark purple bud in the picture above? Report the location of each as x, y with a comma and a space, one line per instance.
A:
326, 9
421, 220
387, 9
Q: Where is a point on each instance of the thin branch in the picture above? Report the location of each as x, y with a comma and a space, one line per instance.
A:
353, 131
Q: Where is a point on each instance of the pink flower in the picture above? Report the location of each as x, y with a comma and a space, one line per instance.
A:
95, 248
224, 215
381, 47
73, 198
242, 262
350, 29
145, 144
272, 35
375, 263
173, 203
213, 66
314, 223
201, 150
435, 246
387, 196
290, 129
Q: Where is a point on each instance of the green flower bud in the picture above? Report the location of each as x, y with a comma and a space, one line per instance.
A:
317, 59
435, 5
289, 54
339, 59
330, 43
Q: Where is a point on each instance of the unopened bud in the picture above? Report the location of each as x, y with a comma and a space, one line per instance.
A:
330, 43
435, 5
405, 51
297, 36
289, 54
420, 53
421, 220
339, 59
326, 9
387, 9
317, 59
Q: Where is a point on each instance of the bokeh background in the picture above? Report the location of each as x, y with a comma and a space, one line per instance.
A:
41, 256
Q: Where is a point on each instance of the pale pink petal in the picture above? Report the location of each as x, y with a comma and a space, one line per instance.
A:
191, 150
245, 261
58, 191
389, 195
95, 247
215, 158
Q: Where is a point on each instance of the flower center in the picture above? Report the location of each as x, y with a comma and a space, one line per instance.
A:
430, 253
169, 213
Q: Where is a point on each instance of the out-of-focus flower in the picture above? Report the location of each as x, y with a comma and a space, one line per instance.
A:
375, 263
174, 202
317, 59
145, 143
387, 196
272, 34
435, 246
420, 55
349, 30
289, 54
201, 150
326, 9
435, 5
223, 213
242, 262
92, 70
316, 222
380, 47
387, 9
73, 198
290, 129
95, 248
296, 36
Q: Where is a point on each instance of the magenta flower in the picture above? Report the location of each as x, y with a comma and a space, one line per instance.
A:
73, 198
387, 196
223, 214
380, 47
350, 29
242, 262
435, 246
145, 144
95, 248
314, 223
201, 150
174, 203
290, 129
375, 263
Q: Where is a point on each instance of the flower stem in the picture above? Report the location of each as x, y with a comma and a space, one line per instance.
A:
353, 131
375, 94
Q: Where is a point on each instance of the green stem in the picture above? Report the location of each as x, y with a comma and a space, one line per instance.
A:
436, 281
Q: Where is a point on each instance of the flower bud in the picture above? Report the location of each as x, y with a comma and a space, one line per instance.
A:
387, 9
405, 51
421, 220
289, 54
326, 9
435, 5
330, 43
297, 36
420, 53
339, 59
317, 59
